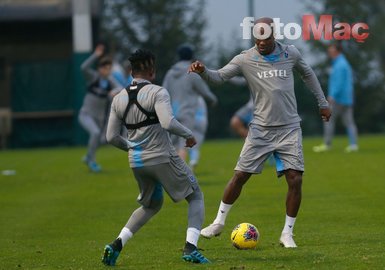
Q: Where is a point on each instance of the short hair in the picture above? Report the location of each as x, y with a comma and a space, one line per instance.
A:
105, 61
337, 46
185, 52
142, 60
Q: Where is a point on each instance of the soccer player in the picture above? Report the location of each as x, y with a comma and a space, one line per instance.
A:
199, 130
242, 118
101, 87
268, 68
145, 110
184, 91
341, 100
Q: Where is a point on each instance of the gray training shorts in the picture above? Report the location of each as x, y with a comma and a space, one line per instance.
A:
285, 143
175, 177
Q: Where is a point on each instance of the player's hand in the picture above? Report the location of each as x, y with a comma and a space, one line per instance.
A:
331, 101
99, 50
196, 67
190, 142
325, 114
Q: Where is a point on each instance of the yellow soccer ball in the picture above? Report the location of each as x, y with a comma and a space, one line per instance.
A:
245, 236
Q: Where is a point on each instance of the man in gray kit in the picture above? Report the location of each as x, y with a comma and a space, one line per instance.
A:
101, 87
185, 89
145, 110
275, 129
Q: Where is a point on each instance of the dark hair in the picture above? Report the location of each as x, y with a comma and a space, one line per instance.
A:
142, 60
337, 45
105, 61
185, 52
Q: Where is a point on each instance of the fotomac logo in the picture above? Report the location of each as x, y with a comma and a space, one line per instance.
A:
324, 28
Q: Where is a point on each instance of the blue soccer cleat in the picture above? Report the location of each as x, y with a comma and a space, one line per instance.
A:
110, 255
195, 257
94, 167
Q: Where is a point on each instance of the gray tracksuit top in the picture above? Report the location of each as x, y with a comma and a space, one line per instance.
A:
184, 89
271, 82
149, 145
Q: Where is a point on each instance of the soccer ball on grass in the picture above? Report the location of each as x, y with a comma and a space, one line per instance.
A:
245, 236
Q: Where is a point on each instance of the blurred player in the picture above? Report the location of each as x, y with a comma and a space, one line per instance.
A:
242, 118
145, 110
101, 87
184, 91
199, 132
122, 73
340, 99
268, 68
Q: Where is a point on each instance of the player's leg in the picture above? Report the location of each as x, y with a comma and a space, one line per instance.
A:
351, 128
94, 131
151, 199
194, 152
254, 153
293, 202
230, 195
195, 221
289, 162
180, 183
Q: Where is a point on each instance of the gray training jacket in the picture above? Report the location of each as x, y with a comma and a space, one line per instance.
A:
149, 145
271, 83
184, 89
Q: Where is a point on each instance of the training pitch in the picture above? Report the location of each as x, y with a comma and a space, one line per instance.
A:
55, 214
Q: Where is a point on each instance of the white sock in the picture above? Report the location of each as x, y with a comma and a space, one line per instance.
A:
193, 236
125, 235
223, 210
289, 225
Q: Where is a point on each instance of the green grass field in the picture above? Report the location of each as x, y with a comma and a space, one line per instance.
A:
57, 215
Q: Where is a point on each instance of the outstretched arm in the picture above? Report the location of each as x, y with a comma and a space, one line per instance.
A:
86, 66
233, 68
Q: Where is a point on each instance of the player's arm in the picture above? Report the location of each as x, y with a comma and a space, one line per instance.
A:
167, 120
238, 81
232, 69
86, 66
312, 83
114, 126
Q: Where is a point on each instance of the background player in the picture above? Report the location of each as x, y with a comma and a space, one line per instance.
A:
146, 112
101, 87
341, 92
268, 68
199, 131
184, 91
242, 118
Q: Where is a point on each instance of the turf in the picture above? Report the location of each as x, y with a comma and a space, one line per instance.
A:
57, 215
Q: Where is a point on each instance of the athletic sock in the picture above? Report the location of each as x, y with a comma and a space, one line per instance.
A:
223, 210
192, 236
289, 225
125, 235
